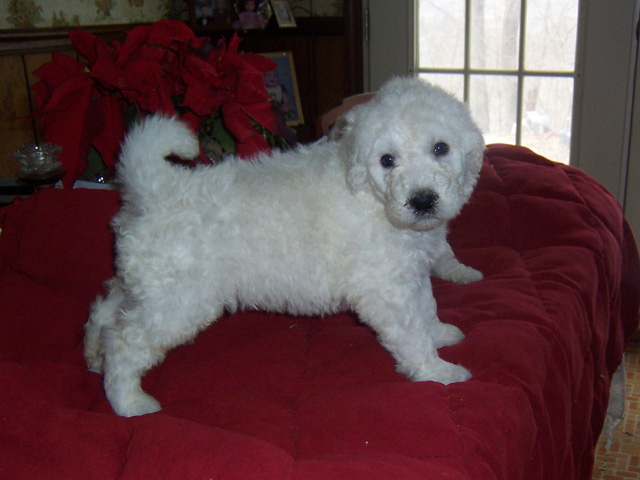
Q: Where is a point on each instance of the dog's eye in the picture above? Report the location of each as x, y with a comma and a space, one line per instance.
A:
440, 148
387, 160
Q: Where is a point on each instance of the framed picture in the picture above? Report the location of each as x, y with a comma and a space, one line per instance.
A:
283, 13
282, 86
210, 13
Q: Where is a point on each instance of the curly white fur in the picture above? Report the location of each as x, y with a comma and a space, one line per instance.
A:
357, 221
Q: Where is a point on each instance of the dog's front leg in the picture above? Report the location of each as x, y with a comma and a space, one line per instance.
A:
448, 267
410, 330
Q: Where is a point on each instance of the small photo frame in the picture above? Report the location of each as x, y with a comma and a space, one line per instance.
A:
283, 13
211, 13
282, 86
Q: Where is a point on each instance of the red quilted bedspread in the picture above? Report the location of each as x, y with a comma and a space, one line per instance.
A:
260, 396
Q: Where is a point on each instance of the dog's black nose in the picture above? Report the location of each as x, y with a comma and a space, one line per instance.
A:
423, 201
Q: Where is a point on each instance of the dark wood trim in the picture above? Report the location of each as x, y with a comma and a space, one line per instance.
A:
306, 26
353, 19
38, 40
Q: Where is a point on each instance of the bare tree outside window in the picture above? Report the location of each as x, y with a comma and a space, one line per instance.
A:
513, 61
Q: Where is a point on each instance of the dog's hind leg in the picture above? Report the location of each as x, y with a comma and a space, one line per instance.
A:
125, 362
104, 311
141, 341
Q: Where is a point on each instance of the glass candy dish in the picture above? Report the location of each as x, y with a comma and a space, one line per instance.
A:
38, 159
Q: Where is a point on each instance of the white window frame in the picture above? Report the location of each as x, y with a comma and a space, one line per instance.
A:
601, 126
520, 73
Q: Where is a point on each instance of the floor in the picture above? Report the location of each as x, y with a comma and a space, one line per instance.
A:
622, 460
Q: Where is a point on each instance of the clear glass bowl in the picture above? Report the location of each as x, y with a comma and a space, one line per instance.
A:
38, 159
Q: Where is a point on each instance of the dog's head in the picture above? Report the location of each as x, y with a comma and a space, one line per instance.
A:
417, 148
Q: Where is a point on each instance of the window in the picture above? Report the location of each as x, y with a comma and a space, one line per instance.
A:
520, 54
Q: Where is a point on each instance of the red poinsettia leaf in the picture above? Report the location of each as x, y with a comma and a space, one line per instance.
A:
200, 44
161, 55
259, 63
56, 74
109, 125
237, 121
262, 113
230, 59
68, 64
170, 32
252, 146
194, 67
106, 71
65, 121
234, 44
87, 45
147, 87
157, 100
59, 70
202, 100
135, 38
251, 88
217, 51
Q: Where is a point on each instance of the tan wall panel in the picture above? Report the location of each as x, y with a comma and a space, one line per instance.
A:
15, 128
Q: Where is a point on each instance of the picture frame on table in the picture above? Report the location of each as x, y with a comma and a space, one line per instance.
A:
283, 14
282, 86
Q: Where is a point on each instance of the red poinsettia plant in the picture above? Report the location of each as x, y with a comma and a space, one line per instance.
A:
159, 68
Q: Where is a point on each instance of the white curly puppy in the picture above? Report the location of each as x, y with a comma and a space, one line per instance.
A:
358, 221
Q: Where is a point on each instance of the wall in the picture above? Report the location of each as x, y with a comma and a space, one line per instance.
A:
390, 31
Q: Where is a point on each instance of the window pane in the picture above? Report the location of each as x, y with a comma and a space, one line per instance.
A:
493, 100
551, 35
452, 83
441, 39
546, 123
495, 28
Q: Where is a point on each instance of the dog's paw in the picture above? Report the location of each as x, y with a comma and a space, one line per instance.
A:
439, 371
468, 275
456, 272
445, 335
94, 362
135, 405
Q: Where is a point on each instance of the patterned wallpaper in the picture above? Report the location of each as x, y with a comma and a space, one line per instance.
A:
61, 13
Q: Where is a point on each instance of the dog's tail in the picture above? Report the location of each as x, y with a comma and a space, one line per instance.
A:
143, 171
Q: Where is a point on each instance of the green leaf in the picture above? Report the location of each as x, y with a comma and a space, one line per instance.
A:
220, 133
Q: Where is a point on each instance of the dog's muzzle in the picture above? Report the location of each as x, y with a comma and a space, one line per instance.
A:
423, 202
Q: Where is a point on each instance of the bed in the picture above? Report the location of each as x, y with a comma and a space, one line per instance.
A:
266, 396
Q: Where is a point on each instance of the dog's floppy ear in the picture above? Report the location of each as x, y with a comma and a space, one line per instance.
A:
349, 152
340, 127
